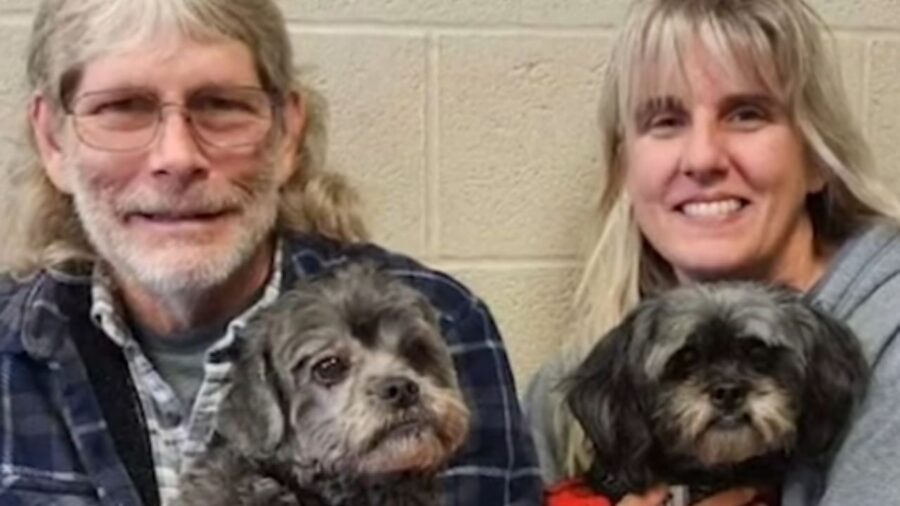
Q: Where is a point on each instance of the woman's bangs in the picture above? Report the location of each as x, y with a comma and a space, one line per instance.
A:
657, 65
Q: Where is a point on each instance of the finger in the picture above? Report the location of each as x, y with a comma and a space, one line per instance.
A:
654, 497
733, 497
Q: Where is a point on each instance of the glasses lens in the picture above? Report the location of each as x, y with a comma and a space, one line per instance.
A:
231, 117
123, 120
116, 120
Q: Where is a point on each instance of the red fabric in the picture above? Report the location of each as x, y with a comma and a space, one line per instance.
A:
574, 493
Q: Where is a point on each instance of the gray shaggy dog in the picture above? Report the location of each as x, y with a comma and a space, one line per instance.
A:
345, 396
713, 386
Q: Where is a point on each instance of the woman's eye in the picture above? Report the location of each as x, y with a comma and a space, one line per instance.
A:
330, 370
664, 124
748, 115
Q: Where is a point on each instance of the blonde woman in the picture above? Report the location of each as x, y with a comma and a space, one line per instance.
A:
730, 153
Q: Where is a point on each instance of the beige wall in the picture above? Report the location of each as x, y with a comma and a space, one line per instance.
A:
470, 127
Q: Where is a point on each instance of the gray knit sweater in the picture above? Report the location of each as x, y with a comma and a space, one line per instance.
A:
861, 287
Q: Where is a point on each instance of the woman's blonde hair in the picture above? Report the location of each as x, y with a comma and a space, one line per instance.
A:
778, 43
68, 34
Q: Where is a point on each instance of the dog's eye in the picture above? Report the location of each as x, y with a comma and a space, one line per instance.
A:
759, 355
330, 370
686, 358
682, 363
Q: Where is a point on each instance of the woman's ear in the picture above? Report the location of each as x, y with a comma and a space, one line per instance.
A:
294, 125
816, 181
816, 174
46, 127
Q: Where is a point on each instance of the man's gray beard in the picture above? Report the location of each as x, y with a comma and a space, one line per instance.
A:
176, 278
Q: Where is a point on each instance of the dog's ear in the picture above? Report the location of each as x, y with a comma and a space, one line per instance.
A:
252, 415
603, 397
836, 383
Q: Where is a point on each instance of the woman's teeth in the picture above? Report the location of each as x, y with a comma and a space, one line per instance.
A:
710, 209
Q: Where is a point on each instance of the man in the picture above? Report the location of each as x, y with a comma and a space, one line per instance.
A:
177, 193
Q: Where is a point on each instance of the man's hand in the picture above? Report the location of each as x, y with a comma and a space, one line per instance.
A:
658, 496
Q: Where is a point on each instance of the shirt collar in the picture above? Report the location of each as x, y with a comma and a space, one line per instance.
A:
108, 314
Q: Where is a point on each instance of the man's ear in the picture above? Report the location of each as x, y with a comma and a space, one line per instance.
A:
45, 125
294, 129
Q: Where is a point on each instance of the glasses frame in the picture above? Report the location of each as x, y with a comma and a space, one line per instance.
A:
275, 99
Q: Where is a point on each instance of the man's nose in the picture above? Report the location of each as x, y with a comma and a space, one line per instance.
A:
704, 157
177, 151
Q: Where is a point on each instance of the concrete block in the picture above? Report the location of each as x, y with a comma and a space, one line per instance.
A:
403, 11
859, 13
12, 78
14, 148
851, 53
884, 107
586, 13
17, 6
375, 87
517, 143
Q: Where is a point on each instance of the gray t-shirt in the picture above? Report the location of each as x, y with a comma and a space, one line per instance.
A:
179, 359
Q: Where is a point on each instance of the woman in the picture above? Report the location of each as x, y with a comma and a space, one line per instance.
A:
730, 153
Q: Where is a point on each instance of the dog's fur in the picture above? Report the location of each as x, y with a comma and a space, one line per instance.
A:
714, 386
346, 395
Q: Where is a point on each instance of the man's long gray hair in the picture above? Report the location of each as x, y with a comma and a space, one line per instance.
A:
69, 34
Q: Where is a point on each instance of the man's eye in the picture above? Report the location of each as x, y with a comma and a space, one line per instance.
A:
124, 105
215, 103
330, 370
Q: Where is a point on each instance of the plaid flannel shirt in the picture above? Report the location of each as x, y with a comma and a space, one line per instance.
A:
56, 448
178, 433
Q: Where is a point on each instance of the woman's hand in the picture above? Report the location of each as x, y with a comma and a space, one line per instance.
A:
657, 497
733, 497
654, 497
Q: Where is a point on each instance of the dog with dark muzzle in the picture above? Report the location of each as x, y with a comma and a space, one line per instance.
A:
715, 386
345, 396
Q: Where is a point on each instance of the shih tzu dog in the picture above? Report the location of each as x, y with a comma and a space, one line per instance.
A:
345, 396
714, 386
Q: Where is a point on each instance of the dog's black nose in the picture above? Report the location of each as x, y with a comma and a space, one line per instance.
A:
398, 392
727, 396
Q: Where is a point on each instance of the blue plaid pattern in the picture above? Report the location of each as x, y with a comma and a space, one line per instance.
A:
178, 433
54, 443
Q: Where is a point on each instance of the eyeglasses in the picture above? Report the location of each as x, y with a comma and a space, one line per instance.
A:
129, 119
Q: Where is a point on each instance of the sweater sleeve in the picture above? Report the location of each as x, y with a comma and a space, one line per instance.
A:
542, 401
865, 471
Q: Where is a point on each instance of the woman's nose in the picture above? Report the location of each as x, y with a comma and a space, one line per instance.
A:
703, 158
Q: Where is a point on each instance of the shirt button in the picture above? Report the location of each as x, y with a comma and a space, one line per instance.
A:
172, 419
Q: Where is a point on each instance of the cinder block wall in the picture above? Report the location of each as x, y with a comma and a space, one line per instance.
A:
469, 126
